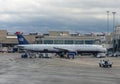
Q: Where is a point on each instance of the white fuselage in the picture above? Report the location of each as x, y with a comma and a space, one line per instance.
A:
63, 47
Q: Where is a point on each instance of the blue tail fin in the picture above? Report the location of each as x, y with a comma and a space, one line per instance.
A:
21, 39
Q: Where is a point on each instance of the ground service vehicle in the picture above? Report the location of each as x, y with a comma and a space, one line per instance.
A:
101, 55
105, 63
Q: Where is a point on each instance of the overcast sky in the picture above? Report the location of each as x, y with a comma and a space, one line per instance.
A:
47, 15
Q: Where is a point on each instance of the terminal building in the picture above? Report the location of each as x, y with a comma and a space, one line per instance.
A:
8, 40
116, 39
63, 37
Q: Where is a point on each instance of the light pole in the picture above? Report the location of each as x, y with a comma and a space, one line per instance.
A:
108, 22
114, 21
114, 32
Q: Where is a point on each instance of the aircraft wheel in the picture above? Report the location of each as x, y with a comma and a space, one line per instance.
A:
110, 66
99, 65
21, 56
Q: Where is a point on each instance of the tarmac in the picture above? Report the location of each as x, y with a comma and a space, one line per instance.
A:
81, 70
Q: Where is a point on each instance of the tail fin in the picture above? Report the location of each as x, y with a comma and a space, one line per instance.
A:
21, 39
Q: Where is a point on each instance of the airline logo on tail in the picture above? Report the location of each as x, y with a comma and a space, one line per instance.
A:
21, 39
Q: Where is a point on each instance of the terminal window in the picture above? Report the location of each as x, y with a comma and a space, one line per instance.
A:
68, 42
58, 41
79, 42
89, 41
48, 41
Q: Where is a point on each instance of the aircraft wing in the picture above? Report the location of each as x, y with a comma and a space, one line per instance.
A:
63, 49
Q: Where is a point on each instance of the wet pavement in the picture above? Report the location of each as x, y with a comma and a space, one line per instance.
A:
15, 70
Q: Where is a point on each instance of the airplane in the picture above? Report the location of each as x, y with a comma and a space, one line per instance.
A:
59, 49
